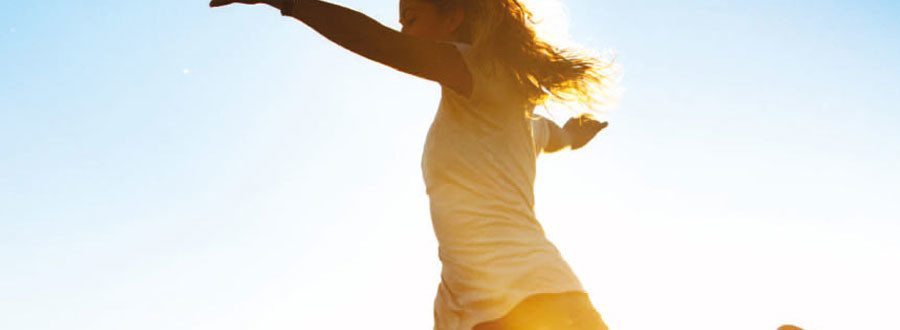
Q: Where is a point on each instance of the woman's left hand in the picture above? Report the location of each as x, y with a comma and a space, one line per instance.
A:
581, 130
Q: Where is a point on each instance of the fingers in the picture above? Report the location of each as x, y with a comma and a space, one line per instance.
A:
596, 125
219, 3
592, 124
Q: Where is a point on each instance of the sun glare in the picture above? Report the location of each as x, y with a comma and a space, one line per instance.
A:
551, 20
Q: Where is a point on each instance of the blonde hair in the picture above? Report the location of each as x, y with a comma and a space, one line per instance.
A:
502, 34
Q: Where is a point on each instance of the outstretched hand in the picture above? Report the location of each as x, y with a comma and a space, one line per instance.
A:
273, 3
582, 129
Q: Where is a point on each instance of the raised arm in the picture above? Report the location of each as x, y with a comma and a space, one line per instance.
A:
436, 61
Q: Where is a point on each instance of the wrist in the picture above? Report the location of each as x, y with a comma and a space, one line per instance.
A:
566, 139
286, 6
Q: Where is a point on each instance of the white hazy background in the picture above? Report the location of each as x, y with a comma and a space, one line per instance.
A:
164, 165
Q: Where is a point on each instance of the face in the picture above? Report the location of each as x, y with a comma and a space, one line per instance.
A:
420, 18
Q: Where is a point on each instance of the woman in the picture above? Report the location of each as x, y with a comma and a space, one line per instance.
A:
499, 271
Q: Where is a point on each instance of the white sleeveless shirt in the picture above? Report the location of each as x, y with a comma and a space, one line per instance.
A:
479, 167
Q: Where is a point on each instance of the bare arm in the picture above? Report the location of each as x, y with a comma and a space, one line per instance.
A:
356, 32
558, 139
574, 134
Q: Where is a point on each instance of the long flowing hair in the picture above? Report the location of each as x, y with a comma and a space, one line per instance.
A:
503, 35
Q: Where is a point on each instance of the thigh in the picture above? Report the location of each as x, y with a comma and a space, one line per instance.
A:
555, 311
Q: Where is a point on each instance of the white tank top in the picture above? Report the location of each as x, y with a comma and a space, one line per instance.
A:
479, 166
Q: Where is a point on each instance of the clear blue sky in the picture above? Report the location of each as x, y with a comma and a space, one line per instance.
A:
168, 166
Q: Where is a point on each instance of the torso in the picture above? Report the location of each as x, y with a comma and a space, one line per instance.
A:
479, 167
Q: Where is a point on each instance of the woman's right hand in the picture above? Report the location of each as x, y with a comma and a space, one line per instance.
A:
278, 4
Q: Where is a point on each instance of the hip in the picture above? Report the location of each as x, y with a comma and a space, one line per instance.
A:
564, 310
